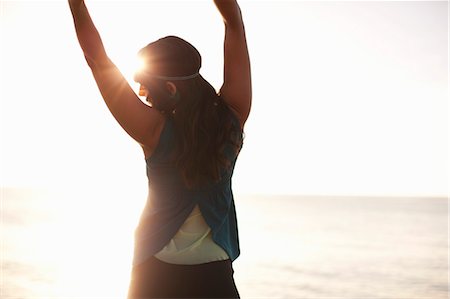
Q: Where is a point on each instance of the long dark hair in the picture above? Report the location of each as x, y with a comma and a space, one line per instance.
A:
208, 135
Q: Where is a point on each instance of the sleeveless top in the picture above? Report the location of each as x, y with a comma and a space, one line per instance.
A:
192, 244
170, 202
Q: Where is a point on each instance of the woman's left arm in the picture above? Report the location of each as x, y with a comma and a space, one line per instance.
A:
137, 119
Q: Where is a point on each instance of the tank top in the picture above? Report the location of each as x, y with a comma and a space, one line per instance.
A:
170, 202
192, 244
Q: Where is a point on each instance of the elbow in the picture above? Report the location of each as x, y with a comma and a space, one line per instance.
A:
96, 62
90, 61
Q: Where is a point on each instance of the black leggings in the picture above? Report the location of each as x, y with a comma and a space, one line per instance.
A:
157, 279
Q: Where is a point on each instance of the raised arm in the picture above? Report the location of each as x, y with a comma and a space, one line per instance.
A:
237, 87
138, 120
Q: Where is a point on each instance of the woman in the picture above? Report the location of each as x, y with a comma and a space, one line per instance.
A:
187, 236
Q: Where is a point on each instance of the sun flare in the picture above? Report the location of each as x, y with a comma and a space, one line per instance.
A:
138, 64
129, 65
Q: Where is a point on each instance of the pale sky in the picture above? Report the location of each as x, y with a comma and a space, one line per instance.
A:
350, 98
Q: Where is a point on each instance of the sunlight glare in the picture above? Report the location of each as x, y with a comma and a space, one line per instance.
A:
138, 64
103, 240
129, 65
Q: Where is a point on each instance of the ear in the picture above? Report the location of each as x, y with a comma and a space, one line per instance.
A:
171, 88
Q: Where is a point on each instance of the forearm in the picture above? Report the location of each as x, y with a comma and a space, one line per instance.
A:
87, 34
230, 11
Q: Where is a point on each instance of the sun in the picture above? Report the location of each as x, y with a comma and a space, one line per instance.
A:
138, 64
129, 65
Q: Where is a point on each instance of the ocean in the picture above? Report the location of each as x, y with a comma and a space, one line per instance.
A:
60, 244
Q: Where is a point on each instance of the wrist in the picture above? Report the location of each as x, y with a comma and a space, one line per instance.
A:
75, 4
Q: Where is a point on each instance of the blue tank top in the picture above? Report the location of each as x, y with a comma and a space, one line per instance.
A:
170, 202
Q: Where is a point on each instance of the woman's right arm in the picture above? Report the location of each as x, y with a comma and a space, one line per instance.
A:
140, 121
87, 34
237, 87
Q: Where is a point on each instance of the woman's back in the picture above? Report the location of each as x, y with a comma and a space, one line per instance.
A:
170, 201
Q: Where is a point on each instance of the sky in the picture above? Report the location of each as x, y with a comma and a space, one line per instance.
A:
349, 98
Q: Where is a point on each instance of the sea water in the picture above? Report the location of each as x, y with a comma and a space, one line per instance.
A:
80, 246
344, 247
